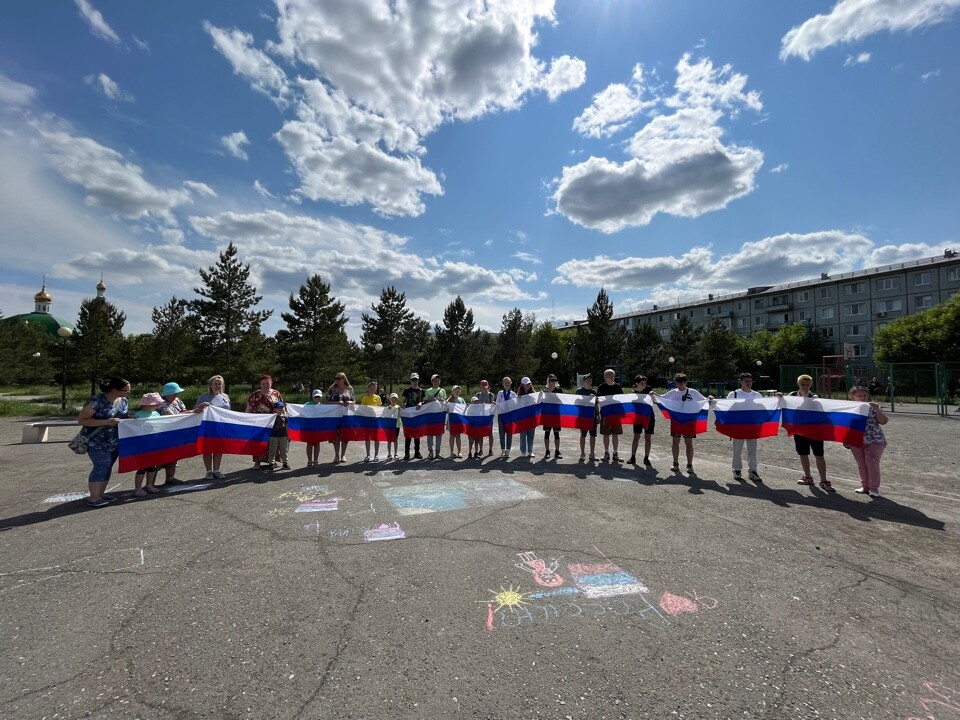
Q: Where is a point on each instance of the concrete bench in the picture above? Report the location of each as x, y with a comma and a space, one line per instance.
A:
36, 432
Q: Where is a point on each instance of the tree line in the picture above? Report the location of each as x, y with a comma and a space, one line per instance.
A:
219, 331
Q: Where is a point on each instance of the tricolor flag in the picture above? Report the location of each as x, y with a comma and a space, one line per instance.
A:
157, 441
234, 433
314, 423
633, 409
747, 418
560, 410
425, 421
519, 414
476, 419
368, 422
837, 420
687, 417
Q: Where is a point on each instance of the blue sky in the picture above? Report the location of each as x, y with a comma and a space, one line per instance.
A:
518, 154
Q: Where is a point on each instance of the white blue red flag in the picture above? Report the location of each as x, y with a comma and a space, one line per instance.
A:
475, 420
687, 417
368, 422
747, 418
817, 419
633, 409
228, 432
425, 421
149, 442
560, 410
519, 414
314, 423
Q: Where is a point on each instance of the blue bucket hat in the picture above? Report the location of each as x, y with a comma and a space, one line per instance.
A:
171, 388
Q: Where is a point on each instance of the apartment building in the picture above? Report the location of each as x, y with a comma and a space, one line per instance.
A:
847, 308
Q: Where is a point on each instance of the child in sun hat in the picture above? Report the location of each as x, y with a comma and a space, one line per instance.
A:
148, 409
313, 449
172, 405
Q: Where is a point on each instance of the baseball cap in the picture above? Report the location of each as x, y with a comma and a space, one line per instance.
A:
414, 376
434, 376
394, 395
524, 380
278, 405
317, 393
455, 387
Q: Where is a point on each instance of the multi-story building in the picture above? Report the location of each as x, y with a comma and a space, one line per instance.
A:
847, 308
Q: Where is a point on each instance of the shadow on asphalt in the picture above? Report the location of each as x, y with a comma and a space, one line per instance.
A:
881, 508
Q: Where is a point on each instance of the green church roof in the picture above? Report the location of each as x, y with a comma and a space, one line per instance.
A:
50, 323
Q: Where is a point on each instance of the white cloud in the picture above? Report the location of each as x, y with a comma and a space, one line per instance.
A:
107, 180
258, 186
14, 93
363, 110
779, 168
527, 257
142, 44
105, 85
931, 74
200, 188
94, 19
861, 59
613, 107
678, 162
234, 143
853, 20
566, 73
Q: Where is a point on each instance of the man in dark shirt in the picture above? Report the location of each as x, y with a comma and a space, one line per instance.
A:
610, 386
412, 398
587, 391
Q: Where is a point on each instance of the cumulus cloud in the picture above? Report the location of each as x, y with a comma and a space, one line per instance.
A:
107, 87
107, 179
861, 59
234, 143
853, 20
777, 259
94, 19
361, 110
678, 162
15, 94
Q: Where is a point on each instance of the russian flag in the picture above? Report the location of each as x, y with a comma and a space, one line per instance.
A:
423, 422
687, 417
476, 420
519, 414
747, 418
635, 409
561, 410
835, 420
314, 423
369, 422
234, 433
149, 442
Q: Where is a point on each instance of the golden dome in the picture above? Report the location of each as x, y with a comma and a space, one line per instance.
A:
42, 296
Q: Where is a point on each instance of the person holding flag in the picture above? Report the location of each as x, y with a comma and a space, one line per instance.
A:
412, 398
586, 390
551, 387
745, 392
435, 392
804, 445
642, 388
682, 393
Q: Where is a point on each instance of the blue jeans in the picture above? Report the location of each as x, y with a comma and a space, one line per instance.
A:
439, 442
504, 437
526, 441
103, 461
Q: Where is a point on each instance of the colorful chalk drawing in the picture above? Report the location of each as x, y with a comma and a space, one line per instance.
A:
542, 575
604, 580
457, 495
66, 497
319, 505
531, 614
384, 532
278, 512
944, 698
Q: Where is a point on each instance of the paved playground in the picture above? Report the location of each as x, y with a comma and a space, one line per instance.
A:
486, 590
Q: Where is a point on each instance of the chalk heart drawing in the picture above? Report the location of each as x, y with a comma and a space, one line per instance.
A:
944, 699
676, 604
457, 495
384, 532
543, 574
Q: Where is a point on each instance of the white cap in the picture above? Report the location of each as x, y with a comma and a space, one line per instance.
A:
317, 393
394, 395
434, 377
414, 376
524, 380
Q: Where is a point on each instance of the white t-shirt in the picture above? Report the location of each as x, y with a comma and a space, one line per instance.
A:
688, 394
741, 394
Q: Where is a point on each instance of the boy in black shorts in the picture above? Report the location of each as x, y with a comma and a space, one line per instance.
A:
640, 385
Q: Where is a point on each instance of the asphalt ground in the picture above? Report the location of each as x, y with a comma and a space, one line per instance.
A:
519, 590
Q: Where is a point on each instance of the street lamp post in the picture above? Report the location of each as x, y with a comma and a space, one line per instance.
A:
377, 348
65, 333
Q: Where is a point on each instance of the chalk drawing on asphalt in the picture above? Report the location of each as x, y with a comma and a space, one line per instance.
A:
940, 698
187, 488
278, 512
457, 495
319, 505
543, 574
604, 580
384, 532
606, 608
66, 497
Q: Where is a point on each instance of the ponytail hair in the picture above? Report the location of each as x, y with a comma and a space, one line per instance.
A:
113, 384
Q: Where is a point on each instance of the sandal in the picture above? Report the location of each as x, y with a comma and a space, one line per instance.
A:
139, 492
827, 485
152, 489
805, 480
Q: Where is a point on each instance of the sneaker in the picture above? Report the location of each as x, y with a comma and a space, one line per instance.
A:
874, 494
417, 455
646, 461
805, 480
593, 458
285, 467
632, 460
376, 458
689, 468
861, 491
675, 467
606, 457
210, 476
389, 457
217, 475
430, 455
828, 486
406, 458
583, 456
98, 503
367, 459
557, 455
755, 477
616, 458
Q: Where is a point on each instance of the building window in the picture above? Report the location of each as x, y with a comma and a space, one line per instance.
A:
758, 320
741, 322
922, 278
922, 301
881, 325
739, 307
805, 315
890, 283
661, 318
826, 293
691, 313
855, 330
758, 304
676, 316
827, 332
707, 312
884, 306
859, 350
826, 313
953, 274
803, 296
853, 288
856, 309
